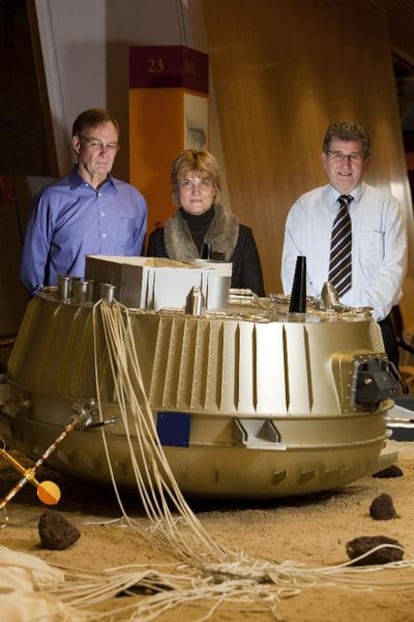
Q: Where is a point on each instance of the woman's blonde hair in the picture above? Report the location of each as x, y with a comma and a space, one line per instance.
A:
203, 163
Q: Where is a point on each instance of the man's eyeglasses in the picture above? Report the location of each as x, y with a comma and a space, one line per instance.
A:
190, 184
98, 145
338, 156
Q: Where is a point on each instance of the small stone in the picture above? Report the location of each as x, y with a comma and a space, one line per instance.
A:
384, 555
391, 471
382, 508
56, 533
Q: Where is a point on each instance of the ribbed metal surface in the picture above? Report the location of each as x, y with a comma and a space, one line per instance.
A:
224, 365
248, 368
269, 398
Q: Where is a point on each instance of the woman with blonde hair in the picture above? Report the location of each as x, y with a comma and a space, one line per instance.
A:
201, 220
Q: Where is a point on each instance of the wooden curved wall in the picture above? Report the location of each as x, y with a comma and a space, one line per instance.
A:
281, 71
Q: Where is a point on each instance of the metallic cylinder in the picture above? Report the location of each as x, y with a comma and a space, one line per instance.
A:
90, 291
73, 281
64, 287
80, 291
107, 293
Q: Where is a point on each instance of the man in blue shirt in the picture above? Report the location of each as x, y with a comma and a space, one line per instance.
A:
87, 213
379, 242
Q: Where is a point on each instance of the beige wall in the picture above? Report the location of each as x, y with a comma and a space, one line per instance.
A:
281, 71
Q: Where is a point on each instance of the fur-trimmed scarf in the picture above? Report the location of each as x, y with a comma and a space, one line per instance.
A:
223, 233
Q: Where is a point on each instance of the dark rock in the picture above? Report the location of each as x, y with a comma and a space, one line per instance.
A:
382, 508
391, 471
56, 533
384, 555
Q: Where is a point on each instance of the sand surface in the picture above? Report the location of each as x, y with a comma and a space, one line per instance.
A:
313, 531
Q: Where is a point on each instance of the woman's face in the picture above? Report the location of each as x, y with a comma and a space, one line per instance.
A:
196, 193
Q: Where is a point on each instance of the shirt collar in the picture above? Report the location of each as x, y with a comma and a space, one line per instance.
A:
333, 194
76, 180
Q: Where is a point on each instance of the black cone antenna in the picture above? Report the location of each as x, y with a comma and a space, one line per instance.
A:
298, 295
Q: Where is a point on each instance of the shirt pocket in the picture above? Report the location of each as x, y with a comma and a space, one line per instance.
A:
370, 251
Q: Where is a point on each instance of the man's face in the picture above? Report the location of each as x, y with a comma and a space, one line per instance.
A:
96, 149
345, 164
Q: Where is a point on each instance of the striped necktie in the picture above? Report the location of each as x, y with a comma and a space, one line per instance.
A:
340, 260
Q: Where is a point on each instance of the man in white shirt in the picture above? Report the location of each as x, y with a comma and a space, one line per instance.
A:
379, 241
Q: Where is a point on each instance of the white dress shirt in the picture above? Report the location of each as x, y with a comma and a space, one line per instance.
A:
379, 246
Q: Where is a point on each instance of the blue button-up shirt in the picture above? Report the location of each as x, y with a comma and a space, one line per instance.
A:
71, 219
